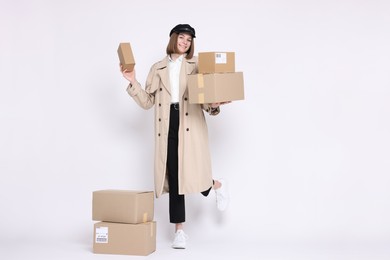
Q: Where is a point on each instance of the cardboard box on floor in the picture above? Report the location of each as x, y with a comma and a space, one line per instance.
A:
216, 62
124, 239
123, 206
126, 56
217, 87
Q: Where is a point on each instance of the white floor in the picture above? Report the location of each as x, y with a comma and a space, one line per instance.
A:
212, 235
206, 248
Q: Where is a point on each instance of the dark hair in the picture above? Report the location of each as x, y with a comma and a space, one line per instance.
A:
172, 46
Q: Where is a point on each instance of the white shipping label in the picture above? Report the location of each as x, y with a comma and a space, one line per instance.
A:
101, 235
220, 58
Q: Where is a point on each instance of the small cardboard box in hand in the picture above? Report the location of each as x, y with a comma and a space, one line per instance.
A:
126, 56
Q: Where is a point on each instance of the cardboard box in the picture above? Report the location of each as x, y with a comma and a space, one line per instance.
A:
124, 239
216, 62
123, 206
218, 87
126, 56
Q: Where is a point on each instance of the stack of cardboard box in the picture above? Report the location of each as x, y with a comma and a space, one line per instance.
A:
217, 80
125, 224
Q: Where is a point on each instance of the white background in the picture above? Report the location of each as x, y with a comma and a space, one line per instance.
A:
306, 154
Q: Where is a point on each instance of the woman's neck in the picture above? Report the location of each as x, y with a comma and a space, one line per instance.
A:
174, 56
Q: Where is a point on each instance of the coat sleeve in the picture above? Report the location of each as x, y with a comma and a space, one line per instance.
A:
145, 98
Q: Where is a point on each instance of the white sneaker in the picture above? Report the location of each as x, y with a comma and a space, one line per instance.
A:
179, 242
222, 196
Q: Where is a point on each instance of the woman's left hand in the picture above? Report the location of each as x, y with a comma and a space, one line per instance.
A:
215, 105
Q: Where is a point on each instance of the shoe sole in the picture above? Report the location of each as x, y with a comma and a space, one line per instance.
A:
178, 247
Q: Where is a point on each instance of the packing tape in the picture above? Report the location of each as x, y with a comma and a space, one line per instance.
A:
201, 98
145, 217
200, 85
152, 229
200, 81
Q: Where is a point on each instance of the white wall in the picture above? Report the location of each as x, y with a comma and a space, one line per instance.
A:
306, 154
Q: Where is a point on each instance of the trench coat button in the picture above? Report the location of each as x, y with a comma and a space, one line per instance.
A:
185, 99
187, 114
158, 134
159, 119
188, 129
160, 89
159, 104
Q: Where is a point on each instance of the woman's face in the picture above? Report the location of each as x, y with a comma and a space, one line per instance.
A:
183, 43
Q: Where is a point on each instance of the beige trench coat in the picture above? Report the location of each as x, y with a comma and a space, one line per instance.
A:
194, 156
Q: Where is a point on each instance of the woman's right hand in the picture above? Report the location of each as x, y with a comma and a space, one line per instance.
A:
129, 75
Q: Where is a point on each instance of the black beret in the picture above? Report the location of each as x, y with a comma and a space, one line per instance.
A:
183, 28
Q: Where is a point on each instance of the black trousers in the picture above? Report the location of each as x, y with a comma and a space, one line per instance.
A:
176, 201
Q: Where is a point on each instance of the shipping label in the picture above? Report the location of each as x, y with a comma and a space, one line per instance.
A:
220, 58
101, 235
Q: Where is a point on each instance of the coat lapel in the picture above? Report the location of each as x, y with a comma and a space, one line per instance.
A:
164, 74
188, 67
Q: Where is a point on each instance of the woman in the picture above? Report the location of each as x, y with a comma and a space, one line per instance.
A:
182, 158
